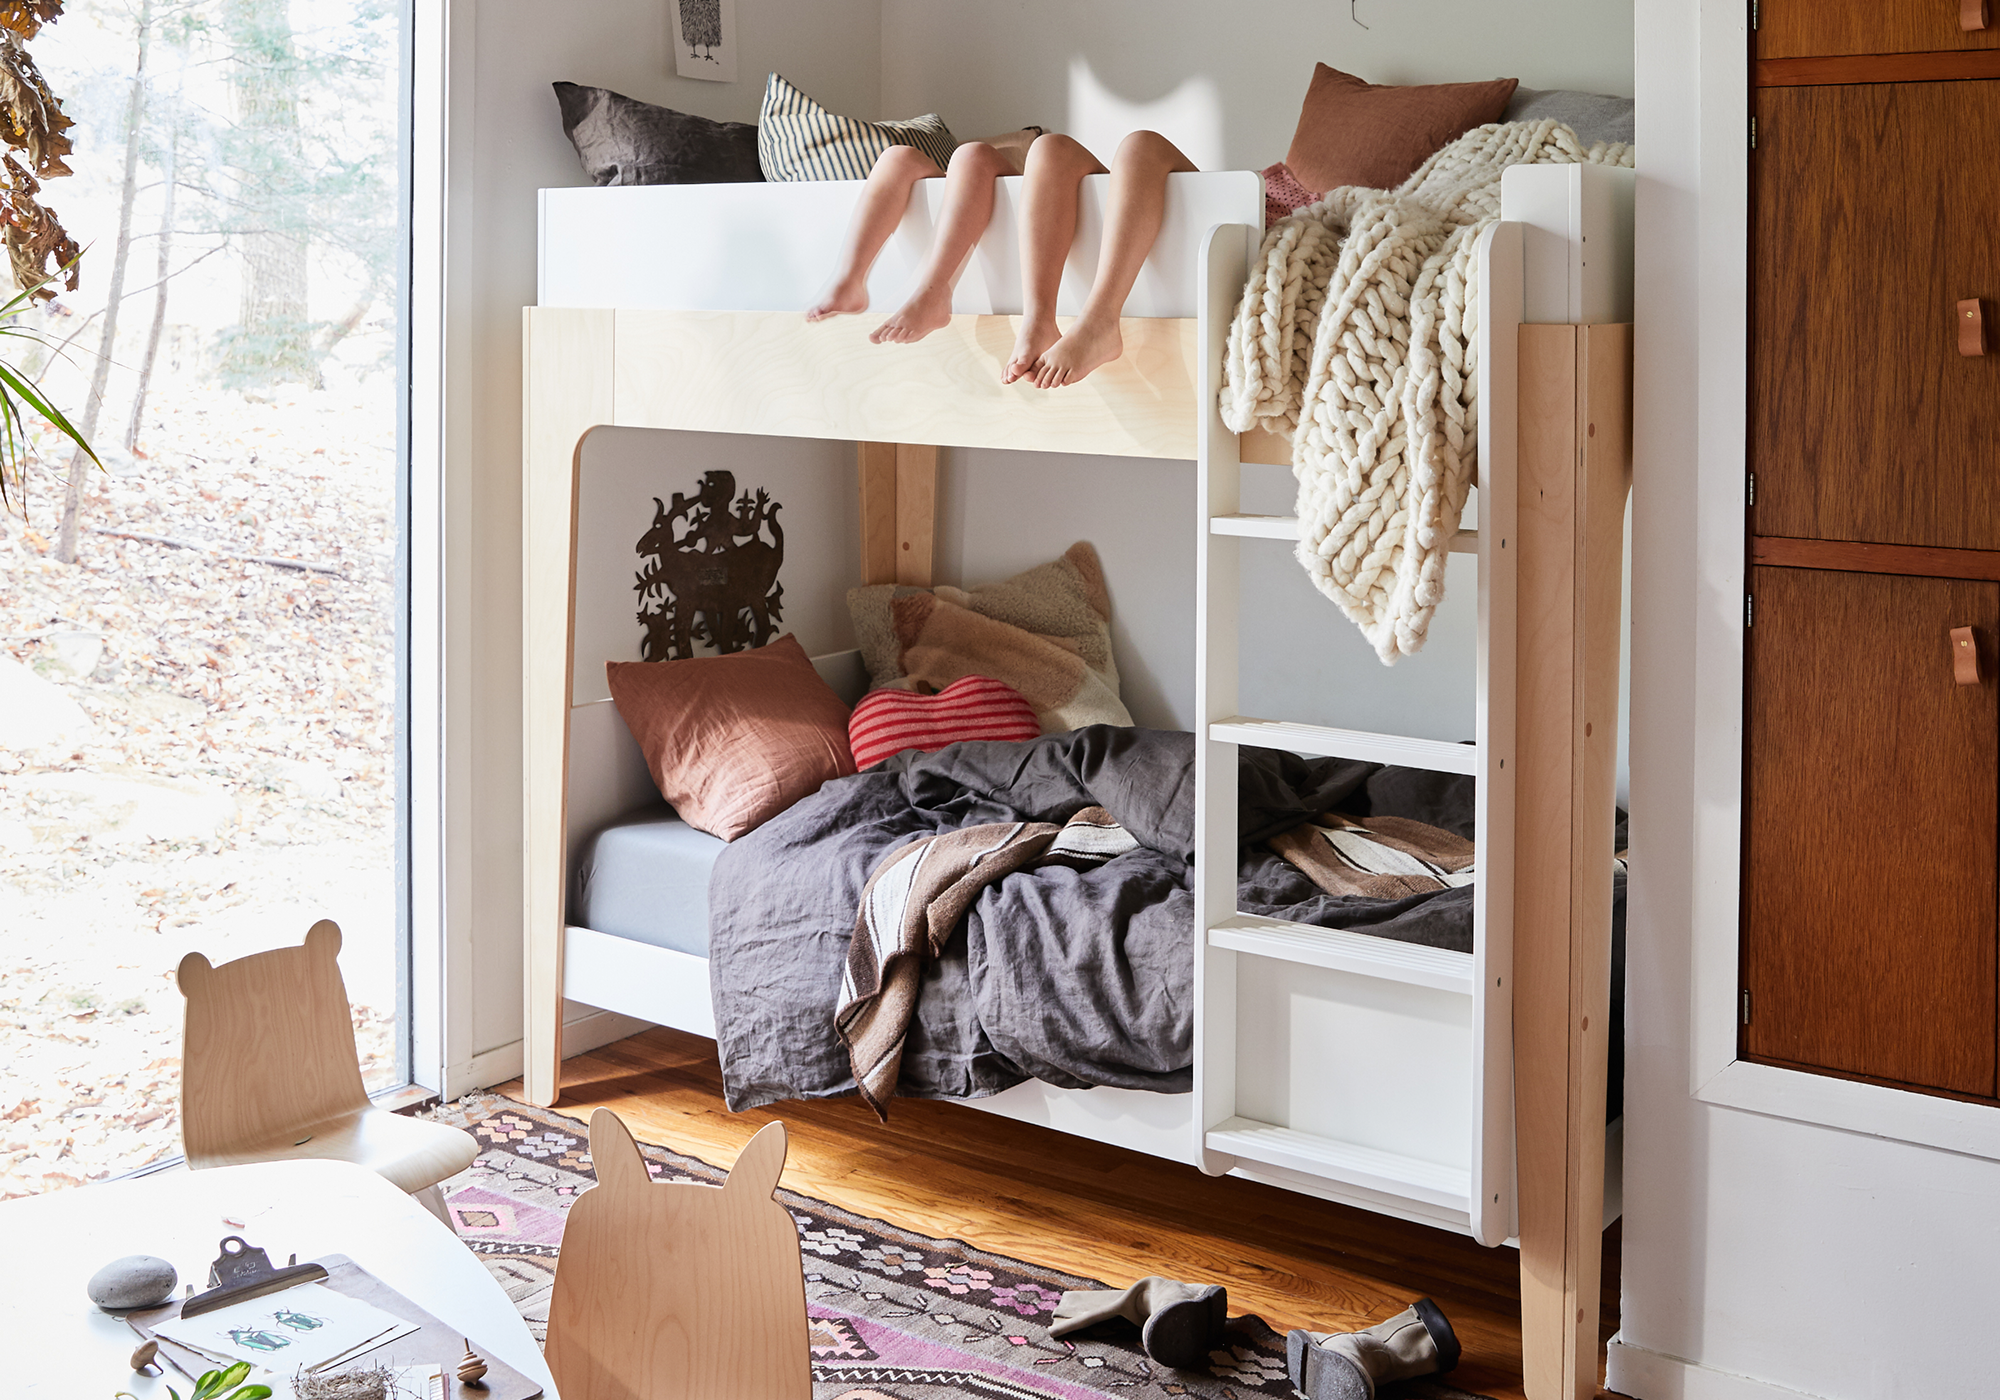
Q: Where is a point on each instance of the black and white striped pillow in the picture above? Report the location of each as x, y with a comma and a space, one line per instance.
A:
797, 139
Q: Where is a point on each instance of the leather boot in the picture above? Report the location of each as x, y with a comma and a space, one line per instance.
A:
1179, 1323
1350, 1365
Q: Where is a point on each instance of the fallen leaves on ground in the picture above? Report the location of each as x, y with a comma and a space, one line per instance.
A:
236, 777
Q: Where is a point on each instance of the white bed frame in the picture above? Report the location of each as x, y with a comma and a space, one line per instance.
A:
1461, 1090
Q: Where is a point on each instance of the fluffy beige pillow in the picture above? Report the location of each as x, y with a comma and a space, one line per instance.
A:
1352, 132
734, 740
1046, 633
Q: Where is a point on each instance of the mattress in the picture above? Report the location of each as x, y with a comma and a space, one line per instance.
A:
646, 878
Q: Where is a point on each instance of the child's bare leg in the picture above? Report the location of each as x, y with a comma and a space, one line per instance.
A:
968, 208
883, 201
1132, 216
1056, 165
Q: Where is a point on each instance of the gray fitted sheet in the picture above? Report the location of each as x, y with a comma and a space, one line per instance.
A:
646, 878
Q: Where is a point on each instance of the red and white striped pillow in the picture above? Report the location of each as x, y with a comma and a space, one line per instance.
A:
973, 707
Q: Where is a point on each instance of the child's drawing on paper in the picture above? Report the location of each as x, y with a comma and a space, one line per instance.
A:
301, 1329
705, 39
258, 1339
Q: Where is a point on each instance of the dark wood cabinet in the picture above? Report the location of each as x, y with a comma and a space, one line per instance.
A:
1868, 922
1870, 930
1877, 210
1834, 28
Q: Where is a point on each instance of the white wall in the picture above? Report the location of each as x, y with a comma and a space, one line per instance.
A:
1784, 1233
1224, 81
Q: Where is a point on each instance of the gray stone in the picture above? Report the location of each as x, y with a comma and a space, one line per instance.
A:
76, 652
136, 1281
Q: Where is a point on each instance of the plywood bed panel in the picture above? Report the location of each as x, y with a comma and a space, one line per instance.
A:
567, 390
769, 372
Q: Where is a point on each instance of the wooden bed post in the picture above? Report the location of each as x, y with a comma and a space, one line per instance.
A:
567, 363
1574, 474
898, 512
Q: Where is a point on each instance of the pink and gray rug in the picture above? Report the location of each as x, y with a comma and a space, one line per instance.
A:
895, 1315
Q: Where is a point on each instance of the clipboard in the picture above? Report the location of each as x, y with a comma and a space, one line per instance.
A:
432, 1344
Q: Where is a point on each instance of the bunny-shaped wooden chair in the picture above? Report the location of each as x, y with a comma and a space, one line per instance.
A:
269, 1071
677, 1291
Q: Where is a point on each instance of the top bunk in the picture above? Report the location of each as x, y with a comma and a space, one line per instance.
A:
682, 307
704, 288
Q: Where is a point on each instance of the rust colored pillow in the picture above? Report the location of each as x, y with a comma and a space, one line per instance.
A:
734, 740
1355, 133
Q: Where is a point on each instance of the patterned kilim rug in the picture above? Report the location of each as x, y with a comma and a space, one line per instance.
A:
895, 1315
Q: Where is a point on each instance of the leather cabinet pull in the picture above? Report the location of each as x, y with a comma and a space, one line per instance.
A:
1971, 328
1971, 15
1964, 656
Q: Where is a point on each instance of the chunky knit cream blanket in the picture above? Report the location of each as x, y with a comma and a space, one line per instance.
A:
1357, 338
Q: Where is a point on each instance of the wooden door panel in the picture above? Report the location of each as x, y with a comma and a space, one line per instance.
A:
1869, 877
1875, 210
1813, 28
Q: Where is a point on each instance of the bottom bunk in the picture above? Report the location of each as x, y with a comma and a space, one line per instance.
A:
1351, 1075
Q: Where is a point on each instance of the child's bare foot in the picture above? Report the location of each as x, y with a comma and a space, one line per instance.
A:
841, 299
927, 311
1036, 336
1083, 347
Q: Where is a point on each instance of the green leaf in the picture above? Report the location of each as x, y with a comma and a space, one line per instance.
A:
251, 1392
233, 1376
32, 396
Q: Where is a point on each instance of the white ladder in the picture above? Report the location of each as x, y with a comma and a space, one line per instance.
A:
1341, 1064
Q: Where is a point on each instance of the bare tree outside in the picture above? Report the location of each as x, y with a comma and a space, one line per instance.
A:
198, 639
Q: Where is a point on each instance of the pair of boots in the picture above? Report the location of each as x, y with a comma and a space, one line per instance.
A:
1350, 1365
1181, 1323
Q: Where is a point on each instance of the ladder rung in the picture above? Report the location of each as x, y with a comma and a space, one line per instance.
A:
1348, 1162
1259, 527
1433, 755
1286, 527
1343, 950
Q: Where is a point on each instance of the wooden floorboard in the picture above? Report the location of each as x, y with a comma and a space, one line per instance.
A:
1082, 1206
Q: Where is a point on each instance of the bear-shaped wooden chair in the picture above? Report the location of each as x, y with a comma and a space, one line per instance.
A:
674, 1290
269, 1071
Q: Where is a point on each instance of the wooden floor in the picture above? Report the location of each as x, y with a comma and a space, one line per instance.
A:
1084, 1207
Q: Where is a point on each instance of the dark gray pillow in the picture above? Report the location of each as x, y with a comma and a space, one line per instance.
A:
1592, 116
627, 142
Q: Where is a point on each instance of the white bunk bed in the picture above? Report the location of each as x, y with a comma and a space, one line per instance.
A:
1381, 1074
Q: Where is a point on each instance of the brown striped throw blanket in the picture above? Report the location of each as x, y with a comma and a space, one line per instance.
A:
1376, 857
911, 904
1381, 857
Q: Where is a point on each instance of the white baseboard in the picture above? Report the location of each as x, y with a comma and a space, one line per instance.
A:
1653, 1375
503, 1062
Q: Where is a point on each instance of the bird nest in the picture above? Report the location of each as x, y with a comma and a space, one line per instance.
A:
376, 1382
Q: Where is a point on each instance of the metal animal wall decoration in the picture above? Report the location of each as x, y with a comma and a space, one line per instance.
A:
710, 575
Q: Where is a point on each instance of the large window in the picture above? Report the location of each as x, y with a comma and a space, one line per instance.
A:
201, 649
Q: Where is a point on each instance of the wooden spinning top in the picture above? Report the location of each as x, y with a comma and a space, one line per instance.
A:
143, 1356
471, 1369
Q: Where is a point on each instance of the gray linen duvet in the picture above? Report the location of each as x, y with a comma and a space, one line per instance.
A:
1076, 977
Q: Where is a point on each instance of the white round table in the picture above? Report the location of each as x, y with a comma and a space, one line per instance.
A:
58, 1343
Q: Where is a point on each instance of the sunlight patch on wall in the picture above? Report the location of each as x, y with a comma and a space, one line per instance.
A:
1190, 116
